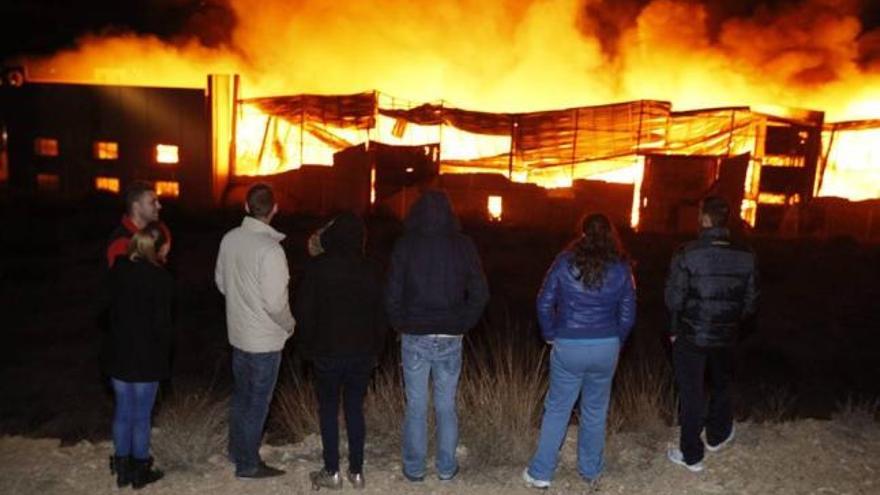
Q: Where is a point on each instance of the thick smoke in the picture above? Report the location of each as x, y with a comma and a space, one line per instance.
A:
512, 55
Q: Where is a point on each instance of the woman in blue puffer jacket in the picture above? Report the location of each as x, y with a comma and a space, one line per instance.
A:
586, 309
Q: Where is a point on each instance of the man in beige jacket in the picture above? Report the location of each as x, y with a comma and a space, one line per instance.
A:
252, 273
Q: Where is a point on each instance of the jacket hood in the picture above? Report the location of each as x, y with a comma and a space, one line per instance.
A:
345, 234
432, 214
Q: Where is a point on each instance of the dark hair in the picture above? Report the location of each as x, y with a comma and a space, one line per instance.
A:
596, 249
716, 209
135, 191
260, 200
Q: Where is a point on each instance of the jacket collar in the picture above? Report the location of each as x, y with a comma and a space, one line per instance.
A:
129, 225
715, 233
253, 225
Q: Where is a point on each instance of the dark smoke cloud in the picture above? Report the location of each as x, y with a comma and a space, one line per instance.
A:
607, 20
39, 27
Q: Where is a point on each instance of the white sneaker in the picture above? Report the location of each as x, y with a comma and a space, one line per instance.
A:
716, 448
675, 455
532, 482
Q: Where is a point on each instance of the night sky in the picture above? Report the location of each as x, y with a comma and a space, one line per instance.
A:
38, 27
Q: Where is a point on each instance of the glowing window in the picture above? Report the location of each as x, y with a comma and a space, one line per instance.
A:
167, 153
167, 189
110, 184
48, 182
494, 207
46, 146
106, 150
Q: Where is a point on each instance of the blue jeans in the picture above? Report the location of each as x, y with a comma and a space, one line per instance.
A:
582, 368
439, 358
254, 374
131, 417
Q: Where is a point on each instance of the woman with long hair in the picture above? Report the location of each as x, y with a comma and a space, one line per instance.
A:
137, 351
586, 309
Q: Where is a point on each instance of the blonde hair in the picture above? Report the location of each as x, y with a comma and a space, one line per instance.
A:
146, 243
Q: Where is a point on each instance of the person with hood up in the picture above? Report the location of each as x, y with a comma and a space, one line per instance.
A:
436, 292
342, 330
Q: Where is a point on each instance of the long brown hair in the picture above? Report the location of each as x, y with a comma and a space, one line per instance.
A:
597, 247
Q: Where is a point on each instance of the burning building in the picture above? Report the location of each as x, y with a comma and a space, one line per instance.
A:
504, 64
641, 162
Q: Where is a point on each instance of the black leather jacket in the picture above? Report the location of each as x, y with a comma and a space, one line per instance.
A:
712, 286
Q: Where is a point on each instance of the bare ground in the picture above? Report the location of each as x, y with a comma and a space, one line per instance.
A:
799, 457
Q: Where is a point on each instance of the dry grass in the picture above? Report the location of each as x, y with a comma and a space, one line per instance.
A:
191, 427
775, 406
296, 406
857, 414
643, 396
500, 399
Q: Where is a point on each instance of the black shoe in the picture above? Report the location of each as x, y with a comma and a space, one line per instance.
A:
143, 473
262, 471
120, 465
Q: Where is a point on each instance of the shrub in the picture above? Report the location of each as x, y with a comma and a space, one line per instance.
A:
191, 428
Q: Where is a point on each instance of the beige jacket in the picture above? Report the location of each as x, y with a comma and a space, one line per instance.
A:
252, 273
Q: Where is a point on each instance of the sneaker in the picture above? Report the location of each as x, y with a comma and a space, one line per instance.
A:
716, 448
677, 457
262, 471
413, 479
593, 484
357, 480
448, 477
325, 479
532, 482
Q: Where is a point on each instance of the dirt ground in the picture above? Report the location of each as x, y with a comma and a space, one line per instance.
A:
799, 457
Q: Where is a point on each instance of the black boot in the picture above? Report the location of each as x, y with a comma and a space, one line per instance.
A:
143, 473
120, 465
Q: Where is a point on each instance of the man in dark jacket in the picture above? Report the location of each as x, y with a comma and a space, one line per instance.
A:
711, 289
436, 292
341, 329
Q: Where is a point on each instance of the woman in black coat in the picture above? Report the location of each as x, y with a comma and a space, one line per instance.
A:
137, 351
341, 328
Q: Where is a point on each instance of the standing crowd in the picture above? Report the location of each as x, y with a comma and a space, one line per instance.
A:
434, 292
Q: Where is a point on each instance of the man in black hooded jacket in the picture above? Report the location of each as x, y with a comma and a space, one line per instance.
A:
436, 292
711, 288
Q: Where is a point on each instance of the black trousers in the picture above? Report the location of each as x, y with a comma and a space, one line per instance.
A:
351, 376
691, 363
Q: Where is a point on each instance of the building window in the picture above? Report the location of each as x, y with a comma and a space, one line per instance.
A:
45, 146
106, 150
48, 182
110, 184
493, 205
167, 153
167, 189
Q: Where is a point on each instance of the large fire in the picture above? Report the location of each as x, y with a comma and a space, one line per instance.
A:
513, 56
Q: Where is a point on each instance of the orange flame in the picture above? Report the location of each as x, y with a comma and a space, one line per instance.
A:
533, 55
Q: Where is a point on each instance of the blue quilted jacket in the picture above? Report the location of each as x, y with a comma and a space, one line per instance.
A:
568, 310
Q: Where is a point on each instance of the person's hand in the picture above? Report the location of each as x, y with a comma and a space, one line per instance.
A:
672, 338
